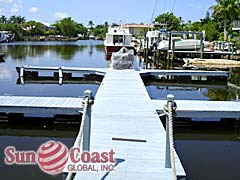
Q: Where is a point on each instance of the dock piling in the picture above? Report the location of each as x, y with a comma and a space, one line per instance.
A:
170, 99
201, 47
60, 72
87, 125
173, 50
21, 71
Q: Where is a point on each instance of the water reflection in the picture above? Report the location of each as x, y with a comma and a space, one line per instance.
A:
228, 94
186, 88
65, 52
235, 76
74, 54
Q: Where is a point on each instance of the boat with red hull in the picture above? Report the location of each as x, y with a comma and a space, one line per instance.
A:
116, 38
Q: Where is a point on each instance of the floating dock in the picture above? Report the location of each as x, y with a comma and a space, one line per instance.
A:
202, 109
125, 119
184, 73
205, 54
123, 110
43, 105
21, 70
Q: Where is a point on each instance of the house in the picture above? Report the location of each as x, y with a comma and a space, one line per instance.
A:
137, 29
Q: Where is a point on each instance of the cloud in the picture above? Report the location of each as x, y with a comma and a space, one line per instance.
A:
16, 6
2, 10
46, 23
60, 15
196, 6
33, 9
6, 1
3, 3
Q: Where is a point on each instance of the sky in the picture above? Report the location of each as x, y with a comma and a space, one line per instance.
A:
100, 11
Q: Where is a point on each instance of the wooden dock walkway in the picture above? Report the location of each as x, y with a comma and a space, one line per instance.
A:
124, 110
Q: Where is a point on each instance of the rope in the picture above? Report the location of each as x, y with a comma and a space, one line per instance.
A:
84, 117
172, 158
78, 140
174, 3
155, 5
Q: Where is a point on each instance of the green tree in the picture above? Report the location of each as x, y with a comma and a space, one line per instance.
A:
211, 30
34, 28
67, 27
14, 28
16, 19
195, 26
170, 21
50, 31
82, 29
3, 19
226, 11
90, 24
100, 30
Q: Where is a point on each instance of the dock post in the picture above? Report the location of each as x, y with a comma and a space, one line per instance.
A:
169, 45
170, 41
201, 48
60, 74
87, 125
21, 74
170, 99
22, 70
222, 46
232, 47
173, 50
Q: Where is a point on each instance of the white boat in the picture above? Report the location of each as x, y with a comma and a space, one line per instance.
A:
154, 37
116, 38
3, 37
182, 44
91, 36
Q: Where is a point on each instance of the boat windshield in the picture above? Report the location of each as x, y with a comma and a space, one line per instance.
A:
117, 39
122, 39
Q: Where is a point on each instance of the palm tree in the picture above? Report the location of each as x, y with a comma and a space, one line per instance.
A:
90, 24
3, 19
226, 10
17, 19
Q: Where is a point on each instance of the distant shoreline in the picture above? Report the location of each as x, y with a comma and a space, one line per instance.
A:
54, 38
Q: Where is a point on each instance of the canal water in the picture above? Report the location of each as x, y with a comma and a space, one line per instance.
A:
209, 148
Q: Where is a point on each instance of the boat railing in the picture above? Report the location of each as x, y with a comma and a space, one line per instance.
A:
236, 25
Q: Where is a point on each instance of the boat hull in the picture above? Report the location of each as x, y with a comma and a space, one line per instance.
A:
184, 45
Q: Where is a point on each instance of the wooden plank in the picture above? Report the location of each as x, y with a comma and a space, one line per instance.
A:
193, 108
124, 110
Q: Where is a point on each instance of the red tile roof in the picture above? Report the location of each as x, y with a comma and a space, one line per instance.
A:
137, 25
